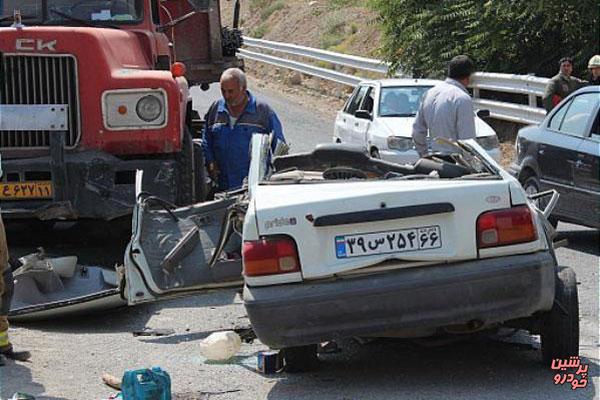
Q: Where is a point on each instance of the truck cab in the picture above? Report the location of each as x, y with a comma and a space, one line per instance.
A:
91, 91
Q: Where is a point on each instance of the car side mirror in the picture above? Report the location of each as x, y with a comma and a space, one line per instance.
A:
363, 114
483, 113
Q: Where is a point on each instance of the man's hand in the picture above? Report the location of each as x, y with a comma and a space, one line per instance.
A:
213, 171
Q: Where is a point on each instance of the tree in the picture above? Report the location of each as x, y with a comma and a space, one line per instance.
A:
500, 35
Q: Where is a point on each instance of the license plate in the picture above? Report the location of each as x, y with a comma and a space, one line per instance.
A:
388, 242
26, 190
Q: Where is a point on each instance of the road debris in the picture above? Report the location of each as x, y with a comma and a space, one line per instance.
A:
269, 362
220, 346
154, 332
111, 381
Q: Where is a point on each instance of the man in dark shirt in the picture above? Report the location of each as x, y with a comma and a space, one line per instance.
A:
562, 84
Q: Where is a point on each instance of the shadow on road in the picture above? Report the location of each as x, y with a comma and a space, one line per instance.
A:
586, 241
16, 377
131, 318
396, 369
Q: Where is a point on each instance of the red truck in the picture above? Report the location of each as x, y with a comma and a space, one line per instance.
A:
92, 90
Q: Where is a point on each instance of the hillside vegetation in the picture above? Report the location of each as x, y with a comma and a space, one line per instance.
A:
421, 36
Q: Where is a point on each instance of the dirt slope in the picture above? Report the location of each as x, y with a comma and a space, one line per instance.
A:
338, 25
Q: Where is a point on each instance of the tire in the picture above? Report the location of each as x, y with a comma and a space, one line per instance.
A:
301, 358
185, 179
560, 325
375, 153
531, 185
231, 41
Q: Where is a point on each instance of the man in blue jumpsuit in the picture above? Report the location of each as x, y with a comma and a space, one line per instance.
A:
230, 124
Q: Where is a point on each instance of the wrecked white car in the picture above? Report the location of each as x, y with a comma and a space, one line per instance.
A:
337, 244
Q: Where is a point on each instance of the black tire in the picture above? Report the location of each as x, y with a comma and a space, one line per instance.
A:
531, 185
375, 153
231, 41
185, 180
560, 325
301, 358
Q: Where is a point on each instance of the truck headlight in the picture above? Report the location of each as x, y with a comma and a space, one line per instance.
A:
129, 109
400, 143
488, 142
149, 108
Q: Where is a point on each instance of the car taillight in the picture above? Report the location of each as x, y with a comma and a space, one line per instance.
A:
504, 227
269, 256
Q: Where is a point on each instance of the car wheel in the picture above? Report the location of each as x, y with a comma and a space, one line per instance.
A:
300, 358
532, 186
375, 153
560, 325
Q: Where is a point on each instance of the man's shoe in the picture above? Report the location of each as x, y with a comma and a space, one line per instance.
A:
2, 362
17, 355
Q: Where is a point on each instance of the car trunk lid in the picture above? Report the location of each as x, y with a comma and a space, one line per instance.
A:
347, 226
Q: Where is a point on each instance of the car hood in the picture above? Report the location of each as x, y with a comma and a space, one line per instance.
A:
402, 126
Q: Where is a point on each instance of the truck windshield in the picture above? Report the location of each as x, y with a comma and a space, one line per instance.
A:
73, 12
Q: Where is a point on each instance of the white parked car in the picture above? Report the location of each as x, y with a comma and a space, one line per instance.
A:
379, 115
338, 244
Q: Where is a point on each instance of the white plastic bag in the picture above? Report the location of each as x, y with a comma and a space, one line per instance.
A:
220, 345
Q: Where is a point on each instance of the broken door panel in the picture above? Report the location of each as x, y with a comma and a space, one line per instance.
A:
174, 251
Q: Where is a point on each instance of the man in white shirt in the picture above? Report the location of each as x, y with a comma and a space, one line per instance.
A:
447, 109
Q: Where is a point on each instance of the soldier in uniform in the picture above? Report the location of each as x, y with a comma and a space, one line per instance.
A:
594, 67
562, 84
6, 292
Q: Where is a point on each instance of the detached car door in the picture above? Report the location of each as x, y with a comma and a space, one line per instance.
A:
171, 250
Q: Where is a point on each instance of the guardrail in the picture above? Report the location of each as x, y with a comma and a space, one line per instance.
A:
531, 86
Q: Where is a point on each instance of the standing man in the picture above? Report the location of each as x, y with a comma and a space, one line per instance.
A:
230, 124
594, 67
561, 85
6, 293
446, 109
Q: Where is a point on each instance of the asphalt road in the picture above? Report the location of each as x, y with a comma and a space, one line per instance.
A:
69, 356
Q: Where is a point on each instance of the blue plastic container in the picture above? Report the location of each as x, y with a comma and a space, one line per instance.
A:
146, 384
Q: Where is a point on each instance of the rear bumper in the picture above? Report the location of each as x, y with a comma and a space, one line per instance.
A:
93, 185
489, 291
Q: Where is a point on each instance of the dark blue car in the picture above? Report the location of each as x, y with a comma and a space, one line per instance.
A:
562, 153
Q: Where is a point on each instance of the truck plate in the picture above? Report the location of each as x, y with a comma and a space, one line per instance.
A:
26, 190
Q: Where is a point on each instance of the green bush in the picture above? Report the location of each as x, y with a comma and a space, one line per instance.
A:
500, 35
267, 11
260, 31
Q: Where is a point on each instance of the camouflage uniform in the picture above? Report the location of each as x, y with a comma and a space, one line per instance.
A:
6, 291
559, 87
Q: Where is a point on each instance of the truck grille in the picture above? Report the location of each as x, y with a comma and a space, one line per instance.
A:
39, 80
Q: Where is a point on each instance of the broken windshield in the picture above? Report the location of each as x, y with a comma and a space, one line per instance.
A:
73, 12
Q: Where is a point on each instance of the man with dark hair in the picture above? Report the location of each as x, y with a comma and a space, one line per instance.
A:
447, 109
561, 85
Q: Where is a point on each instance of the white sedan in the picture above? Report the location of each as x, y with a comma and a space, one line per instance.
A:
337, 244
379, 115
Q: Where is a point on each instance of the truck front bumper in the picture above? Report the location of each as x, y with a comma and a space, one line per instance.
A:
92, 184
488, 291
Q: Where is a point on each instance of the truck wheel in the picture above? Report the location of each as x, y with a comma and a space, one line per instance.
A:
185, 171
560, 325
300, 358
231, 40
531, 185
